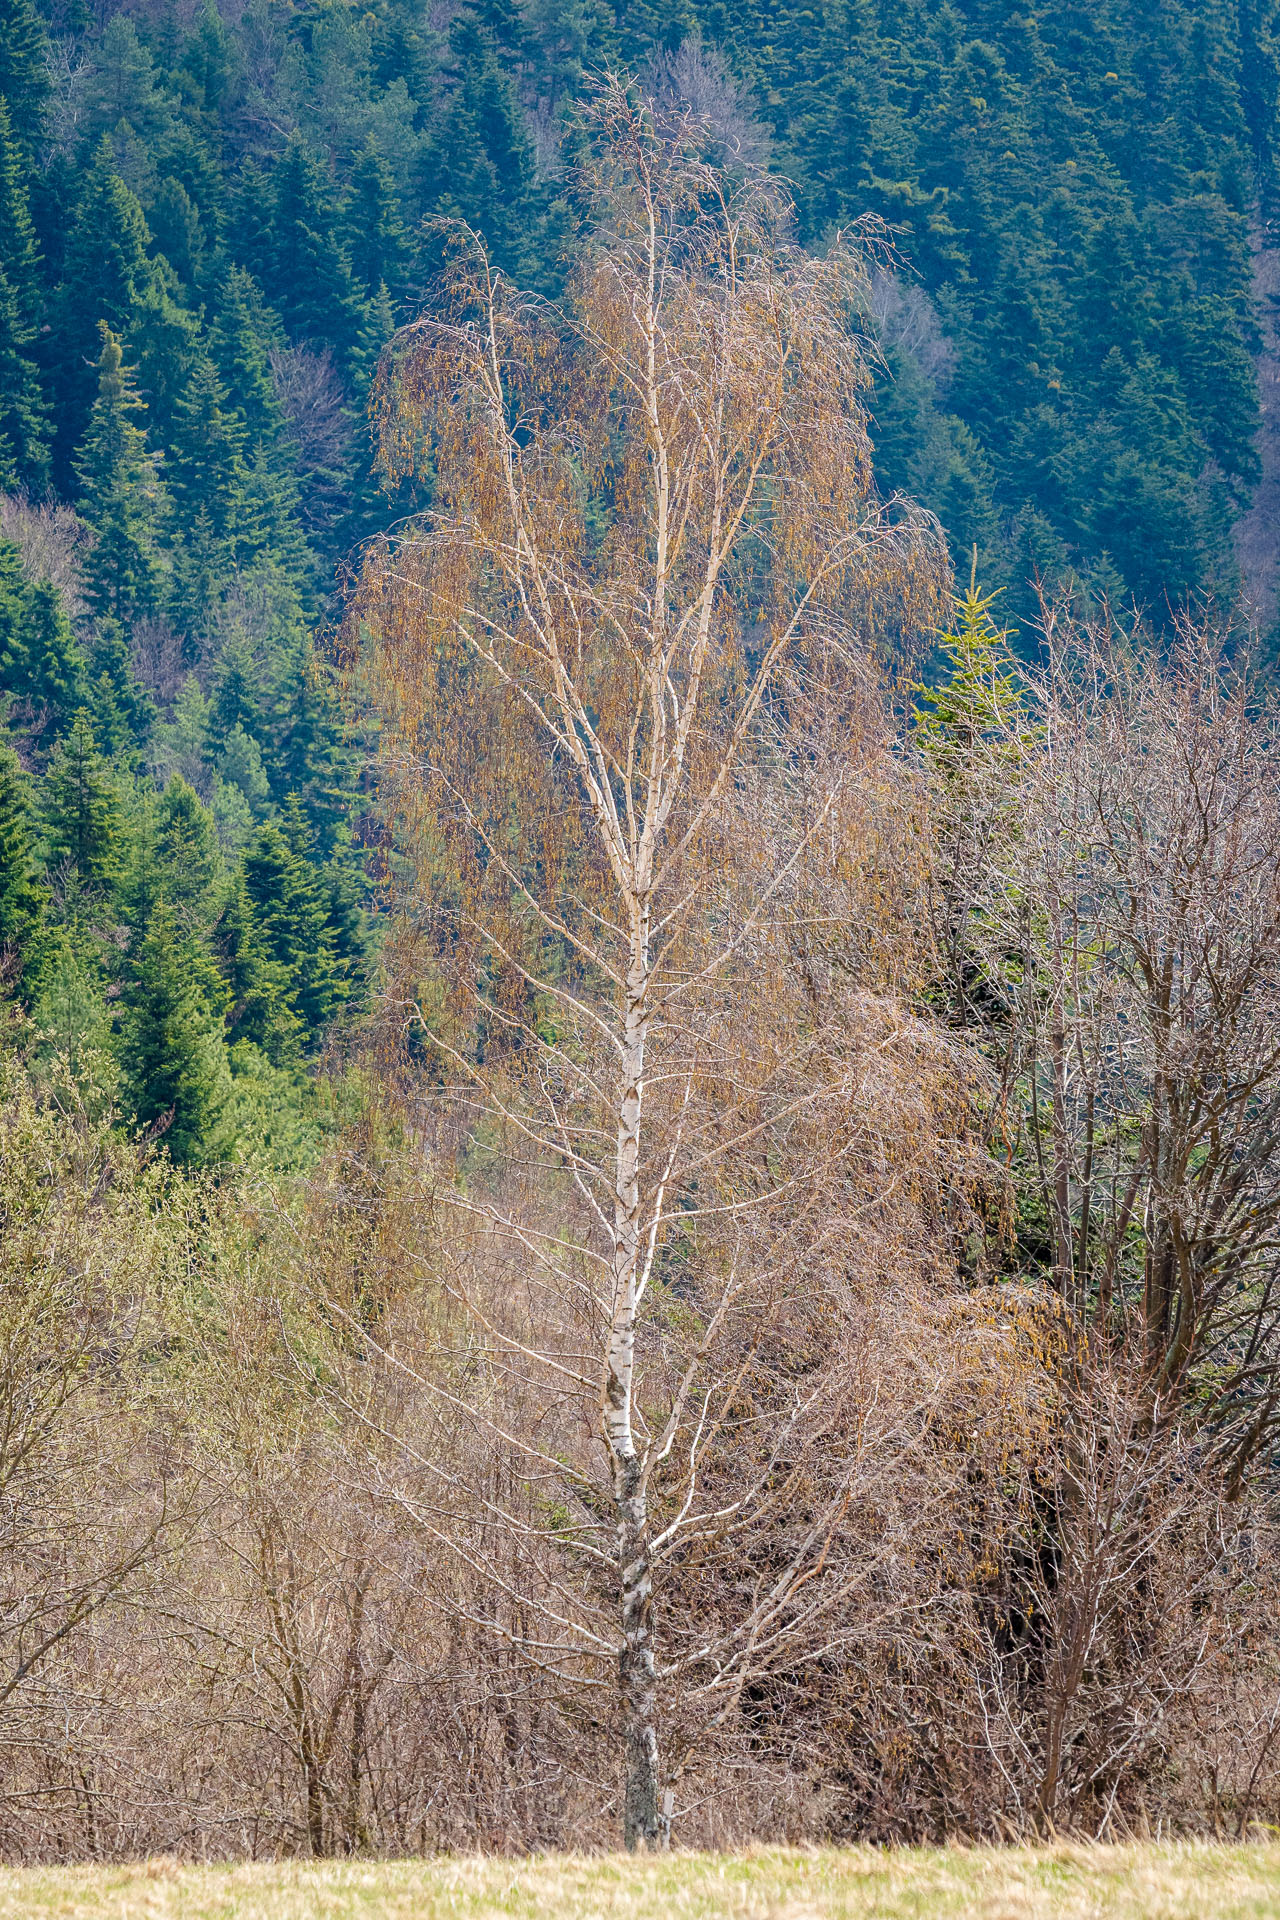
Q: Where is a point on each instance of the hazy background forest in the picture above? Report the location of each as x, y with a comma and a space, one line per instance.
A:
957, 1320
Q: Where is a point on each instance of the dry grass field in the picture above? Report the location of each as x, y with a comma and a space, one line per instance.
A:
1058, 1883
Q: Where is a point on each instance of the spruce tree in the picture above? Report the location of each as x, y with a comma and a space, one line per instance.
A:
980, 696
314, 763
379, 325
203, 469
106, 273
344, 883
24, 73
172, 1053
19, 258
186, 855
284, 890
54, 671
209, 59
120, 85
53, 195
240, 342
270, 535
22, 898
121, 495
178, 231
123, 710
503, 21
201, 568
175, 859
42, 670
975, 735
310, 274
249, 222
70, 1014
240, 772
480, 162
337, 882
376, 238
178, 745
82, 813
243, 335
236, 699
164, 344
261, 988
24, 420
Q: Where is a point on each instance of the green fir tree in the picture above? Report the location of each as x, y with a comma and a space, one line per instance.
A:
22, 897
291, 911
106, 274
123, 710
174, 1075
203, 468
121, 496
261, 987
24, 416
480, 163
24, 73
42, 669
309, 275
376, 237
241, 338
83, 818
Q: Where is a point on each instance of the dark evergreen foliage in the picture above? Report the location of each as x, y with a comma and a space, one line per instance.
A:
105, 275
120, 495
290, 911
307, 269
24, 415
42, 668
175, 1077
24, 73
84, 827
22, 898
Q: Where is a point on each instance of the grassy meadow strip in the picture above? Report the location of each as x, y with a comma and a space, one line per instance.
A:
1183, 1882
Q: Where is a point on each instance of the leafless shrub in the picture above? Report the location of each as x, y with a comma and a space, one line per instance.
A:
1127, 918
159, 658
696, 79
314, 403
906, 317
53, 541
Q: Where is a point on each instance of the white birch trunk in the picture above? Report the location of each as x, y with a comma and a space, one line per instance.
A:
630, 1477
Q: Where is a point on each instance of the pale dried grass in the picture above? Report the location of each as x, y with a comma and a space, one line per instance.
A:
1184, 1882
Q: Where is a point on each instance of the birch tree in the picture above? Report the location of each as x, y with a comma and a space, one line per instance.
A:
652, 525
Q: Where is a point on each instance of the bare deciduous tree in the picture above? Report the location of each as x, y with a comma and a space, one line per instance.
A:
646, 502
74, 1317
1129, 921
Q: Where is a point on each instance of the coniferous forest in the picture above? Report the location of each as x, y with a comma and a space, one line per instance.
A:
639, 1097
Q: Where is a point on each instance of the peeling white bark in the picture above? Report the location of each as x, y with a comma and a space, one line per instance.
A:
630, 1467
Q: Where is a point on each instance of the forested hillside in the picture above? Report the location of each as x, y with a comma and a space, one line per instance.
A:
211, 222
